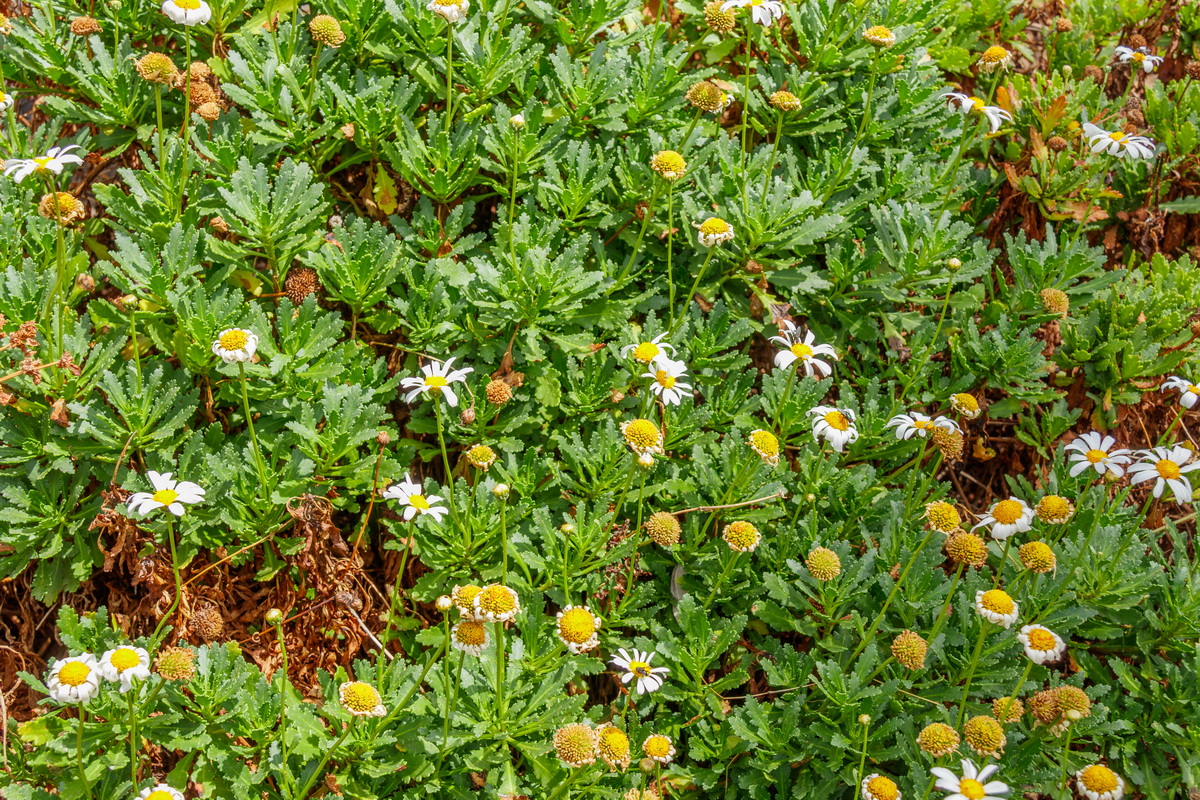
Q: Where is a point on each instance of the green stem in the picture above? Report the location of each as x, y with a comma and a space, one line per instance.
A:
691, 127
283, 688
397, 590
746, 115
437, 410
891, 596
1003, 562
771, 164
512, 199
133, 740
1017, 689
941, 617
962, 707
446, 686
501, 702
1066, 757
503, 543
137, 351
303, 793
87, 786
687, 299
624, 490
862, 129
637, 245
162, 145
187, 114
862, 761
178, 582
733, 558
565, 785
449, 75
914, 374
787, 395
312, 77
259, 464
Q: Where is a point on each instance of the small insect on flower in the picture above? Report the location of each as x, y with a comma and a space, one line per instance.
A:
450, 10
160, 791
496, 603
435, 380
168, 493
636, 667
1189, 392
648, 352
943, 517
966, 104
576, 745
994, 58
1137, 57
1166, 467
766, 444
665, 374
985, 736
834, 425
966, 405
1054, 509
55, 160
707, 96
187, 12
234, 345
75, 679
1098, 782
879, 35
938, 739
879, 787
1118, 143
1094, 450
659, 747
578, 629
713, 231
1042, 645
971, 784
361, 699
470, 636
995, 605
800, 345
914, 423
123, 664
741, 536
764, 12
613, 746
412, 495
1007, 517
642, 436
669, 165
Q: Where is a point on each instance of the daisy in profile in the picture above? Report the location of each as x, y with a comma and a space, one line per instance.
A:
764, 12
666, 385
997, 606
647, 352
436, 379
637, 666
994, 58
966, 104
234, 345
834, 425
187, 12
766, 444
578, 629
1042, 645
168, 493
1007, 517
914, 423
1137, 58
6, 100
412, 495
1094, 450
1166, 467
1098, 782
75, 679
123, 664
160, 791
971, 784
1117, 143
800, 345
450, 10
361, 699
470, 636
1189, 392
713, 231
55, 160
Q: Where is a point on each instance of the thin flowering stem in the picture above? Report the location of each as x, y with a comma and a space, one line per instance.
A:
637, 244
687, 299
133, 739
286, 773
940, 621
858, 136
962, 706
178, 582
1066, 757
783, 401
1008, 704
320, 770
1003, 562
437, 410
187, 117
762, 203
512, 202
396, 596
637, 542
259, 464
446, 687
746, 113
862, 759
79, 755
503, 541
915, 373
501, 655
729, 564
670, 243
449, 74
869, 635
687, 135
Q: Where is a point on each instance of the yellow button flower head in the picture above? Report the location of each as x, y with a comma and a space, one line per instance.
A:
879, 787
1044, 707
707, 96
576, 745
464, 598
6, 26
718, 18
823, 564
1054, 509
949, 443
966, 405
578, 628
909, 650
994, 58
1098, 782
669, 164
613, 746
234, 345
124, 664
995, 605
880, 36
741, 536
1007, 709
648, 352
61, 207
160, 791
938, 739
85, 26
1055, 301
168, 493
1007, 517
498, 392
766, 444
74, 680
361, 699
943, 517
326, 30
470, 636
1073, 704
642, 436
985, 736
496, 603
967, 549
663, 529
1037, 557
481, 456
176, 664
713, 231
659, 747
785, 101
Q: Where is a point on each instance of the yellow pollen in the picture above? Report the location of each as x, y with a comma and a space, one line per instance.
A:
436, 382
1167, 469
470, 633
577, 625
1117, 136
233, 340
639, 668
657, 746
765, 442
994, 54
1139, 57
74, 674
642, 433
125, 658
497, 599
41, 162
714, 225
977, 104
1007, 512
187, 5
418, 501
664, 379
801, 350
646, 352
359, 696
1095, 456
837, 420
1042, 640
1099, 779
997, 601
159, 794
971, 789
165, 496
882, 788
1193, 389
923, 424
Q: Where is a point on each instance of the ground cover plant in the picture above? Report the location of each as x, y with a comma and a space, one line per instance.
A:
599, 399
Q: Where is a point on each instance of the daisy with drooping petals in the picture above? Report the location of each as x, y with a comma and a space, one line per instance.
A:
666, 374
766, 444
648, 352
234, 345
1165, 466
659, 748
123, 664
1042, 645
994, 58
914, 423
160, 791
55, 160
643, 437
168, 493
1098, 782
470, 636
1094, 450
997, 606
187, 12
713, 231
966, 104
1118, 143
1137, 58
1189, 392
578, 629
361, 699
637, 666
764, 12
496, 603
437, 379
450, 10
879, 787
971, 785
834, 425
6, 100
1007, 517
75, 679
800, 345
412, 495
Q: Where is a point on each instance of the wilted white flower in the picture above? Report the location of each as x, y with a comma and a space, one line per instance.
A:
1138, 57
1189, 392
168, 493
713, 231
966, 104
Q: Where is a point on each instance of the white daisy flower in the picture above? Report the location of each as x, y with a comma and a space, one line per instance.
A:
1006, 518
713, 231
234, 345
966, 104
1117, 143
994, 58
437, 379
879, 787
470, 636
1165, 466
6, 100
1042, 645
412, 495
168, 493
123, 664
647, 352
1189, 392
834, 425
496, 603
659, 747
971, 786
1094, 450
800, 345
666, 374
578, 628
160, 791
638, 666
55, 160
450, 10
361, 699
997, 606
75, 679
914, 423
1098, 782
764, 12
187, 12
1138, 57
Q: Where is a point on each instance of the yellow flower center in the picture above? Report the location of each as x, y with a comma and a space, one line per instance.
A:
997, 601
74, 674
765, 443
1095, 456
159, 794
464, 596
882, 788
971, 789
657, 746
470, 633
741, 535
125, 658
41, 162
837, 420
1193, 389
233, 340
995, 54
1117, 136
646, 352
966, 401
1041, 640
187, 5
497, 599
359, 696
436, 382
977, 104
577, 625
614, 743
639, 668
1167, 469
664, 379
1139, 57
1007, 512
642, 433
714, 225
418, 501
1099, 779
801, 350
165, 496
943, 516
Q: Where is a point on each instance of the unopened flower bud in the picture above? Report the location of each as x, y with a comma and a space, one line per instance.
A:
273, 616
444, 603
953, 264
467, 417
500, 490
383, 438
517, 121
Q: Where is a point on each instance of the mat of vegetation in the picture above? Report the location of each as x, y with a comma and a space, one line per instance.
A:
529, 399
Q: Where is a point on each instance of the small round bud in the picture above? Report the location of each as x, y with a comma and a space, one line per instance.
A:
967, 549
1093, 73
1193, 70
953, 264
864, 719
1137, 41
383, 438
347, 131
663, 529
567, 528
209, 111
444, 603
1055, 301
481, 456
467, 417
300, 283
498, 392
810, 498
909, 649
500, 490
176, 664
517, 121
85, 283
949, 443
785, 101
84, 26
717, 18
326, 30
1037, 557
823, 564
1057, 144
1063, 25
157, 68
273, 616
